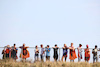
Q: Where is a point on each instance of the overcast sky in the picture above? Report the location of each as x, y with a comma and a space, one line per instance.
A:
36, 22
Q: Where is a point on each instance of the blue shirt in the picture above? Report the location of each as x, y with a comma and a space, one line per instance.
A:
47, 52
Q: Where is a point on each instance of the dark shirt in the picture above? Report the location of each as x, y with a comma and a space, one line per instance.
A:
55, 51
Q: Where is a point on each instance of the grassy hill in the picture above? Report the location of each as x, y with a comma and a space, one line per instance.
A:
11, 63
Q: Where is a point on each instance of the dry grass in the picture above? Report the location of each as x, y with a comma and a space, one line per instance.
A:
11, 63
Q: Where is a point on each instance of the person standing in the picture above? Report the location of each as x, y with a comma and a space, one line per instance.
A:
24, 53
42, 53
36, 53
87, 53
95, 52
55, 56
8, 51
3, 53
47, 53
14, 52
65, 51
72, 54
79, 52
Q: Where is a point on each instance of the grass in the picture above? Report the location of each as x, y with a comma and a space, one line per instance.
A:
11, 63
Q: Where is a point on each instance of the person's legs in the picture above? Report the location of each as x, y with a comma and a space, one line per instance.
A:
93, 59
62, 58
71, 60
56, 57
49, 58
87, 59
25, 59
96, 59
37, 57
7, 55
65, 59
79, 59
46, 58
42, 58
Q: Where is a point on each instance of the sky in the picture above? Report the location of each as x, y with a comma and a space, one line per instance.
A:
50, 22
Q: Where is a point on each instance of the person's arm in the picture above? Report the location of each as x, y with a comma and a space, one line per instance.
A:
48, 49
89, 51
99, 49
67, 47
78, 48
92, 51
38, 51
57, 47
45, 49
84, 50
20, 47
73, 48
3, 52
53, 47
27, 47
63, 47
70, 48
16, 50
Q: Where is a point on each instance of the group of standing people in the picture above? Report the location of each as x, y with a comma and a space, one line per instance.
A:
11, 52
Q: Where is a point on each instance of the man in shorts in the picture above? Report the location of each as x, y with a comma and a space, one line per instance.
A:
47, 53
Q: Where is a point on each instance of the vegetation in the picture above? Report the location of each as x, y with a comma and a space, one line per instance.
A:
11, 63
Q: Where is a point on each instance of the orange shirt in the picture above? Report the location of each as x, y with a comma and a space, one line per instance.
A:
7, 51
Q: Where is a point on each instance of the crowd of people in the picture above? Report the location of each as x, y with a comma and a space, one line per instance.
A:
11, 52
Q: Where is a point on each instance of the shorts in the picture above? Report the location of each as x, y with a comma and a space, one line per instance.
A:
95, 58
36, 54
65, 54
47, 57
7, 55
86, 58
